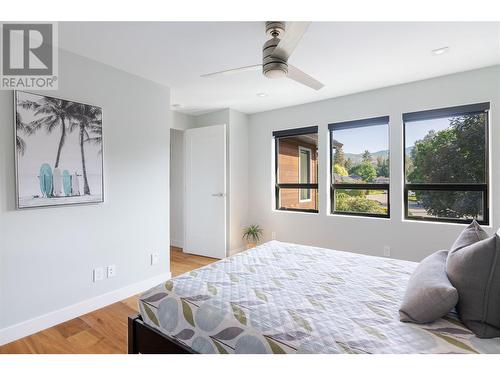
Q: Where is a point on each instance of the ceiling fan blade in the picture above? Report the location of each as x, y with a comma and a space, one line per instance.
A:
299, 76
293, 34
232, 71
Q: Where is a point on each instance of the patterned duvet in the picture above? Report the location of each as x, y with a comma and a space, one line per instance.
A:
286, 298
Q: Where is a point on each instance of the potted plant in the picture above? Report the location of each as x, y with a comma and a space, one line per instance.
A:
252, 234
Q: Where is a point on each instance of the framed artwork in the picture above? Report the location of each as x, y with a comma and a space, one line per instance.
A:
59, 152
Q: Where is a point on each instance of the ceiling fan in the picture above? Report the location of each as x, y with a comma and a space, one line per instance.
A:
276, 52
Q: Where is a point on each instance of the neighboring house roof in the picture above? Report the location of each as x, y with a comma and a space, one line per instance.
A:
336, 144
347, 179
381, 180
355, 177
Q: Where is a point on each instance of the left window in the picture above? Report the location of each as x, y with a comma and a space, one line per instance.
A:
296, 169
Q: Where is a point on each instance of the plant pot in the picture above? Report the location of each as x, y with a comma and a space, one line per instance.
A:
251, 244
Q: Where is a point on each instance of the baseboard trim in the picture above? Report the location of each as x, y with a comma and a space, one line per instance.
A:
176, 243
29, 327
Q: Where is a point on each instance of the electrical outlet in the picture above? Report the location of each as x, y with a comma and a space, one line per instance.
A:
98, 274
273, 235
155, 258
387, 251
111, 271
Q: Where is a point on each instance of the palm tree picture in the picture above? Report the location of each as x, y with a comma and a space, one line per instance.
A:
58, 151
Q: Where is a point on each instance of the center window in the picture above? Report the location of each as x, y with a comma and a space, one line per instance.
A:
359, 154
296, 162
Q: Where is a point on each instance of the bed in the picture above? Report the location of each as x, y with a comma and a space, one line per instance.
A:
287, 298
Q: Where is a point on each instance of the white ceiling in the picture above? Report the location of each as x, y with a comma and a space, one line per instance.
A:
346, 57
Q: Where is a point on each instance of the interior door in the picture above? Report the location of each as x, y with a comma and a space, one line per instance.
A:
205, 198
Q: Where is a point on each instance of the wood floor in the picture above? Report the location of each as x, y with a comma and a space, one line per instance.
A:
101, 331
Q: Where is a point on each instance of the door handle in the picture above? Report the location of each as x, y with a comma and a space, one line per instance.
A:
221, 195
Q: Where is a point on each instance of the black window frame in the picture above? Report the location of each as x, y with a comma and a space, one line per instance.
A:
382, 120
277, 186
468, 109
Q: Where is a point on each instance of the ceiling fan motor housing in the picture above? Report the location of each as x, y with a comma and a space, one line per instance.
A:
275, 28
273, 67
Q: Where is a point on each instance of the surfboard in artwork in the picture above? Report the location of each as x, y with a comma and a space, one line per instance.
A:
66, 180
46, 180
57, 178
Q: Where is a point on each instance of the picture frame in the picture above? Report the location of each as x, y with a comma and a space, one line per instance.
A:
59, 151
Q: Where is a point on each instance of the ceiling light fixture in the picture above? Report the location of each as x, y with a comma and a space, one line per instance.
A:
276, 72
440, 51
261, 94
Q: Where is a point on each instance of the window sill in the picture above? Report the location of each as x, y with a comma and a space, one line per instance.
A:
416, 221
296, 212
360, 216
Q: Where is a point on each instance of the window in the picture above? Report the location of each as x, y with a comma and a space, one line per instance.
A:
296, 162
359, 159
446, 164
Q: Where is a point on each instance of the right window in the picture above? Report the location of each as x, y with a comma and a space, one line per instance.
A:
446, 164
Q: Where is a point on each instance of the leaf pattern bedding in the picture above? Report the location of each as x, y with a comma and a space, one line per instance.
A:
287, 298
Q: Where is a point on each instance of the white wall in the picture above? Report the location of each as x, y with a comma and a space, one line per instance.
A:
408, 240
212, 118
181, 121
47, 255
176, 187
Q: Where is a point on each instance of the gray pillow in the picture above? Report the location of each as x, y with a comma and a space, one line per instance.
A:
469, 235
475, 271
429, 294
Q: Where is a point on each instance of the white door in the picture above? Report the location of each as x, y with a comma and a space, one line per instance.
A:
205, 198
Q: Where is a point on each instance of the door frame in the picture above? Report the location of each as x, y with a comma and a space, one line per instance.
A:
226, 187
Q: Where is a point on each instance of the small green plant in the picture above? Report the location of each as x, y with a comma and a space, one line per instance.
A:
252, 233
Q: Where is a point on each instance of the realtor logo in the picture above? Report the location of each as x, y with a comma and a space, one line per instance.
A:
29, 56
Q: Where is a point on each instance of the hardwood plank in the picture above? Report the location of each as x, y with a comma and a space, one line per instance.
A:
72, 327
103, 331
84, 339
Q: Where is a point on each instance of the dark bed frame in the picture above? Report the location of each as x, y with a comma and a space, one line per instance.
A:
143, 339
